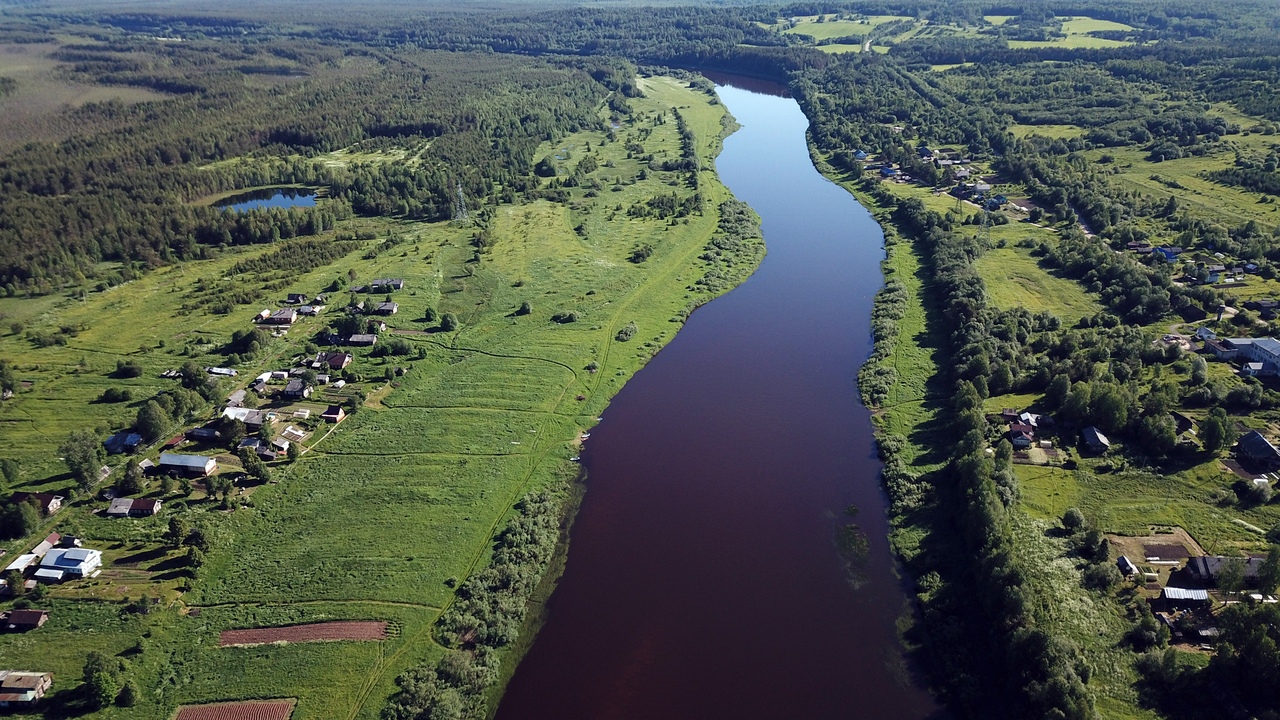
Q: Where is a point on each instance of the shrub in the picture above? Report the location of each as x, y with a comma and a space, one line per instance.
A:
627, 332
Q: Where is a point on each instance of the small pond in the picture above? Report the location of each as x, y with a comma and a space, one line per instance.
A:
268, 198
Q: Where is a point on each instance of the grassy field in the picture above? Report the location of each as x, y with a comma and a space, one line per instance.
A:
1015, 279
383, 517
809, 25
1076, 32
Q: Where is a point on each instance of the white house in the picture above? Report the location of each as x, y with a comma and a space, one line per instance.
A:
76, 562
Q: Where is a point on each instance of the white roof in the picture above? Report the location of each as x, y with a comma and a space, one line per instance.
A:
189, 461
22, 562
1173, 593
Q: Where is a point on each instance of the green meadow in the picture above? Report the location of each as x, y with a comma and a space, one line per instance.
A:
384, 516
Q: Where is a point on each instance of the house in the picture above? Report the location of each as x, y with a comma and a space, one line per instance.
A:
1126, 566
189, 465
24, 620
888, 172
18, 688
131, 507
1254, 446
962, 173
48, 502
332, 360
1208, 568
296, 298
1021, 435
362, 339
333, 414
1182, 422
1094, 440
236, 399
75, 562
259, 385
1170, 254
202, 434
259, 448
296, 389
386, 285
860, 155
221, 371
286, 316
280, 445
253, 419
122, 442
386, 308
1205, 333
311, 310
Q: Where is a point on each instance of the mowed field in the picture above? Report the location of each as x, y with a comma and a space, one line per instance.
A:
381, 519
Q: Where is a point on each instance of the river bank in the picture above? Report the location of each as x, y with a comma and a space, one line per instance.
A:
719, 478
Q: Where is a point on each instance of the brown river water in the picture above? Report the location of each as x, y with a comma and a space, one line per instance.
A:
703, 578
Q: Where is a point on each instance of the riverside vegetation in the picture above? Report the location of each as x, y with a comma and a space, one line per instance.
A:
1110, 123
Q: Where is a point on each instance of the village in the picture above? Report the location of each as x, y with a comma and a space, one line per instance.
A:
273, 419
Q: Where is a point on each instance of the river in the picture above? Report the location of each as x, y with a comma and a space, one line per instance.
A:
703, 579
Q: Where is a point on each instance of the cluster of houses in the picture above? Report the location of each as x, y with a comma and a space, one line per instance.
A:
1023, 427
305, 306
55, 559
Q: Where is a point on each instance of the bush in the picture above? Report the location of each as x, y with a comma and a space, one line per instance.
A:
1103, 576
564, 318
627, 332
449, 322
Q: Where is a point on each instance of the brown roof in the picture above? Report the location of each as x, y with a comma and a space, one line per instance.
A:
25, 682
34, 618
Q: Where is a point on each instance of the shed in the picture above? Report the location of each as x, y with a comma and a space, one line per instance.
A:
386, 308
296, 389
24, 620
122, 442
49, 575
193, 465
22, 562
1126, 566
1254, 446
362, 339
334, 414
1094, 440
23, 688
1184, 597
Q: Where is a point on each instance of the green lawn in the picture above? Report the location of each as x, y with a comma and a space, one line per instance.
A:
1015, 279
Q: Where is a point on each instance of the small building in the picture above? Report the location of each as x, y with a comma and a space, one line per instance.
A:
237, 398
221, 371
120, 507
188, 465
48, 502
1184, 598
22, 563
122, 442
332, 360
285, 316
74, 562
1021, 436
339, 384
888, 172
386, 285
202, 434
20, 689
1127, 568
1094, 440
1252, 369
1205, 333
860, 155
253, 419
333, 414
386, 308
311, 310
46, 545
296, 389
362, 339
24, 620
296, 298
293, 434
1254, 446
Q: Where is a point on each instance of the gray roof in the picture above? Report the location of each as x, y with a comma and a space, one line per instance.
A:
1173, 593
1255, 445
190, 461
